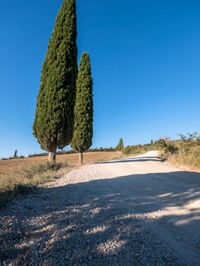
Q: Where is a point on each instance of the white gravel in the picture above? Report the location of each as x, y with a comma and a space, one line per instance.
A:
133, 211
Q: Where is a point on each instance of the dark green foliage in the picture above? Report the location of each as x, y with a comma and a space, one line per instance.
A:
83, 112
120, 146
15, 154
53, 125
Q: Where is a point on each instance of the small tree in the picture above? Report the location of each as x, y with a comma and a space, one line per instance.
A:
53, 124
15, 154
83, 112
120, 146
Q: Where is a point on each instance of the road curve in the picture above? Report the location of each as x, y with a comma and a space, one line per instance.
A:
132, 211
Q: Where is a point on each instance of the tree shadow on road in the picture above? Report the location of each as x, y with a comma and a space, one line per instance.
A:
107, 222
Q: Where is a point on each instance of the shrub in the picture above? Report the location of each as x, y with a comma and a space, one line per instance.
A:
168, 146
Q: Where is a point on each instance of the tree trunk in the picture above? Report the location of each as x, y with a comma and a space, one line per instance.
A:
52, 157
81, 158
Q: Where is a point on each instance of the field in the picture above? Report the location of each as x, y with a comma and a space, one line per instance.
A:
8, 166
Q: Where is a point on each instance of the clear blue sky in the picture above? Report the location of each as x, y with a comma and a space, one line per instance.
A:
146, 67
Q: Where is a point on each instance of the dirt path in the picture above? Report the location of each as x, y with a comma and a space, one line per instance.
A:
134, 211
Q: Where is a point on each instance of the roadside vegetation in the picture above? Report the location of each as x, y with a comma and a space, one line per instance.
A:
139, 149
183, 152
26, 179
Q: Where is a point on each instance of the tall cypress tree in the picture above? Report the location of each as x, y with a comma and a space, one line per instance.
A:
83, 112
53, 124
120, 145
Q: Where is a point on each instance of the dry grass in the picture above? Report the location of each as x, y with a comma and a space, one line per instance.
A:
20, 176
189, 160
183, 153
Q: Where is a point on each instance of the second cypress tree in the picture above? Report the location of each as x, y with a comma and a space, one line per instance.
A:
83, 112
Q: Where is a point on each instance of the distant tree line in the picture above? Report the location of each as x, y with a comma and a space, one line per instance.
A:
101, 149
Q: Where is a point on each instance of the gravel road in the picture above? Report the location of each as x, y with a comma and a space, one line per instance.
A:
133, 211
